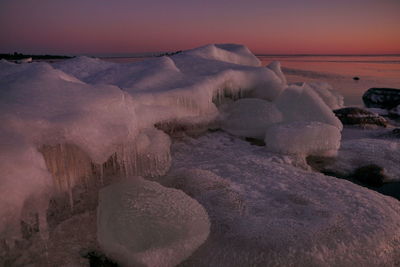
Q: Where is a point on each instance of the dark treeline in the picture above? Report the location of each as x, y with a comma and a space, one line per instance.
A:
18, 56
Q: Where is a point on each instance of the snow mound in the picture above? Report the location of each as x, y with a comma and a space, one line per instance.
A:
301, 103
286, 216
231, 53
356, 153
250, 117
303, 138
143, 223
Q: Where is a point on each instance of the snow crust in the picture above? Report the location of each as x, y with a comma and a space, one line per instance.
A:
143, 223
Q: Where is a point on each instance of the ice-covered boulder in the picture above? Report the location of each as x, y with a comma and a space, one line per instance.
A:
301, 103
143, 223
356, 153
303, 138
250, 117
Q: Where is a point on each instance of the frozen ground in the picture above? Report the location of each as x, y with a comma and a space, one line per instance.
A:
83, 126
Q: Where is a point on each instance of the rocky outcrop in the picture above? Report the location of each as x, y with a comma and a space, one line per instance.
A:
386, 98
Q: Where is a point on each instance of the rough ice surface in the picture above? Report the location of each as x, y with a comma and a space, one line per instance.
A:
301, 103
356, 153
276, 67
303, 138
250, 117
143, 223
265, 212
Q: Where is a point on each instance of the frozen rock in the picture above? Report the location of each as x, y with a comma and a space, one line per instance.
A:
359, 116
143, 223
303, 138
301, 103
386, 98
250, 117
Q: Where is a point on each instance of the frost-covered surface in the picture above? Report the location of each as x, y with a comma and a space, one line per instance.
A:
143, 223
356, 153
265, 212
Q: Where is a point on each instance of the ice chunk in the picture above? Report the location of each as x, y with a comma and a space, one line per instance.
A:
250, 117
143, 223
301, 103
303, 138
332, 98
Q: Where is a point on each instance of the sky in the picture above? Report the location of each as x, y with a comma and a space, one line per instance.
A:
113, 27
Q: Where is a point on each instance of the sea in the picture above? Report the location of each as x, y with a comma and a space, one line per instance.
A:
351, 75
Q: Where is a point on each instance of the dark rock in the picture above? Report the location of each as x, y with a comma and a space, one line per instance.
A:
359, 116
97, 259
356, 78
372, 175
386, 98
255, 141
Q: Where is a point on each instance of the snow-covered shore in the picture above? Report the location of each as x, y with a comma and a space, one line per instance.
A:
82, 125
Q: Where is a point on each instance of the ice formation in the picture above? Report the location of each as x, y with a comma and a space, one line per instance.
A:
143, 223
85, 123
250, 117
303, 138
301, 103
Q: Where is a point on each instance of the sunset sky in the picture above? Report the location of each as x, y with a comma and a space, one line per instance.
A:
135, 26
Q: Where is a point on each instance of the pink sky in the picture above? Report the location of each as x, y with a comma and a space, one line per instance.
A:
135, 26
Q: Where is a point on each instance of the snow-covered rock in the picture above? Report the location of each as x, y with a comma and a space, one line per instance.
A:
250, 117
143, 223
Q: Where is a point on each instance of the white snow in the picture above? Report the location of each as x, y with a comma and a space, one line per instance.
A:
143, 223
303, 138
250, 117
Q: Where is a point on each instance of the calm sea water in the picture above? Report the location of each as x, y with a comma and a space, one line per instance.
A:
373, 71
